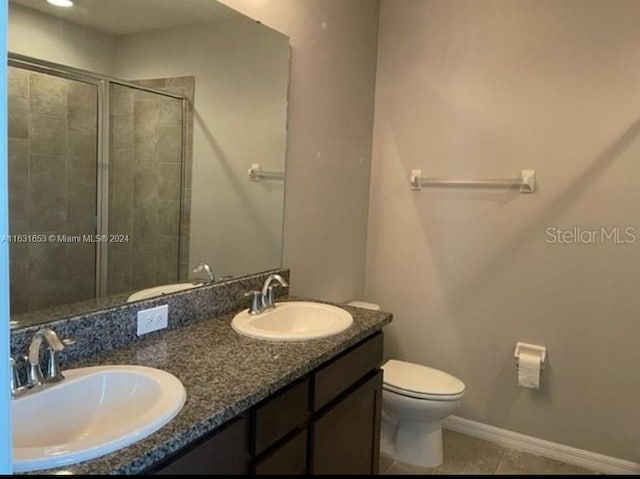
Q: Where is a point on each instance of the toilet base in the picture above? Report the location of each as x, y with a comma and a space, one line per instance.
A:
419, 444
388, 431
417, 419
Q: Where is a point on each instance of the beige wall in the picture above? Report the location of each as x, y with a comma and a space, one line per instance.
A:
329, 145
470, 88
38, 35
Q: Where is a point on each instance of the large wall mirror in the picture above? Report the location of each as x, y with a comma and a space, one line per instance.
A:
146, 137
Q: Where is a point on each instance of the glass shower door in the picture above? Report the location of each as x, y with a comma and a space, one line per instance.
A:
145, 186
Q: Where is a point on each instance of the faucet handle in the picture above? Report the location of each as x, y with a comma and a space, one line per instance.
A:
256, 301
16, 384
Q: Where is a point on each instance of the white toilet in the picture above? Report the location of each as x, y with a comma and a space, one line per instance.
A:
415, 401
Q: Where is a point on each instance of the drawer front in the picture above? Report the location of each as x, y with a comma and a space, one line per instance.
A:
346, 370
279, 415
290, 458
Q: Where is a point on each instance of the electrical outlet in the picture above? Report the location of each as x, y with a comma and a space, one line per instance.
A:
153, 319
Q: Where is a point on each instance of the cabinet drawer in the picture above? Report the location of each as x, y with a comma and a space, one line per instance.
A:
346, 370
279, 415
290, 458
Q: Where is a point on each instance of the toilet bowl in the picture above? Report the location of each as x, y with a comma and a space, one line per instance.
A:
415, 401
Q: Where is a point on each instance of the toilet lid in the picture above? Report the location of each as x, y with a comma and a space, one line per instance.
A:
420, 380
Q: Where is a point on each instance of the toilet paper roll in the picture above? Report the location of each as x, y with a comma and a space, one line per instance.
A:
529, 371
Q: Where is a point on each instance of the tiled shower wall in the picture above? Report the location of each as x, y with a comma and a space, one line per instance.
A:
52, 188
146, 174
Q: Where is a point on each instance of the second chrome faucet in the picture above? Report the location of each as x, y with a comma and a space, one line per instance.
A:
265, 299
205, 268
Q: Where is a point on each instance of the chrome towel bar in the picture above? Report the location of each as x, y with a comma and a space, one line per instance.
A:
256, 173
526, 182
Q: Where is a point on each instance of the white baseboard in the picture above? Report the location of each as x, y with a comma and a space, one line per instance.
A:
540, 447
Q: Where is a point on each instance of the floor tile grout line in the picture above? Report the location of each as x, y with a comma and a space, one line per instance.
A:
389, 467
502, 454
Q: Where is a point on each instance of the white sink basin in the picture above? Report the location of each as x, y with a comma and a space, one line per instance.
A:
92, 412
293, 321
160, 290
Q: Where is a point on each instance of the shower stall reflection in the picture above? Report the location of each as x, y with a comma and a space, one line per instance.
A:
92, 159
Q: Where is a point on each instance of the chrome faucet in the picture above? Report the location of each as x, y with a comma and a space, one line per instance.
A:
205, 268
35, 378
265, 299
268, 298
34, 370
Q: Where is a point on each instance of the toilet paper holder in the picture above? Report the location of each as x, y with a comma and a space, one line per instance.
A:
532, 349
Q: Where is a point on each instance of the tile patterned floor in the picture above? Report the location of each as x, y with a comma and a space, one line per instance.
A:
469, 455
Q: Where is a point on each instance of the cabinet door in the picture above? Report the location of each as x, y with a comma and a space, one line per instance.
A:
288, 459
225, 452
346, 438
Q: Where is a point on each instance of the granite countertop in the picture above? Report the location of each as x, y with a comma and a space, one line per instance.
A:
223, 373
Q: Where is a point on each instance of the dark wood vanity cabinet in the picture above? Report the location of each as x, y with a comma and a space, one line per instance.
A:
325, 423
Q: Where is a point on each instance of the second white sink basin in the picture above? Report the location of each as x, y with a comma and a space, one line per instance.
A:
293, 321
92, 412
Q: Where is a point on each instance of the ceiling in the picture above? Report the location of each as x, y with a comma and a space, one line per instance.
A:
123, 17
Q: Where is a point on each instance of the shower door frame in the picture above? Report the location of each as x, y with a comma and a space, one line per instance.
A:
103, 84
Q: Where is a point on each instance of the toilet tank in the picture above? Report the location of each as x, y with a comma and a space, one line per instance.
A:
364, 305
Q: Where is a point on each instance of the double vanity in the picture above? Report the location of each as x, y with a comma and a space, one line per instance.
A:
270, 404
